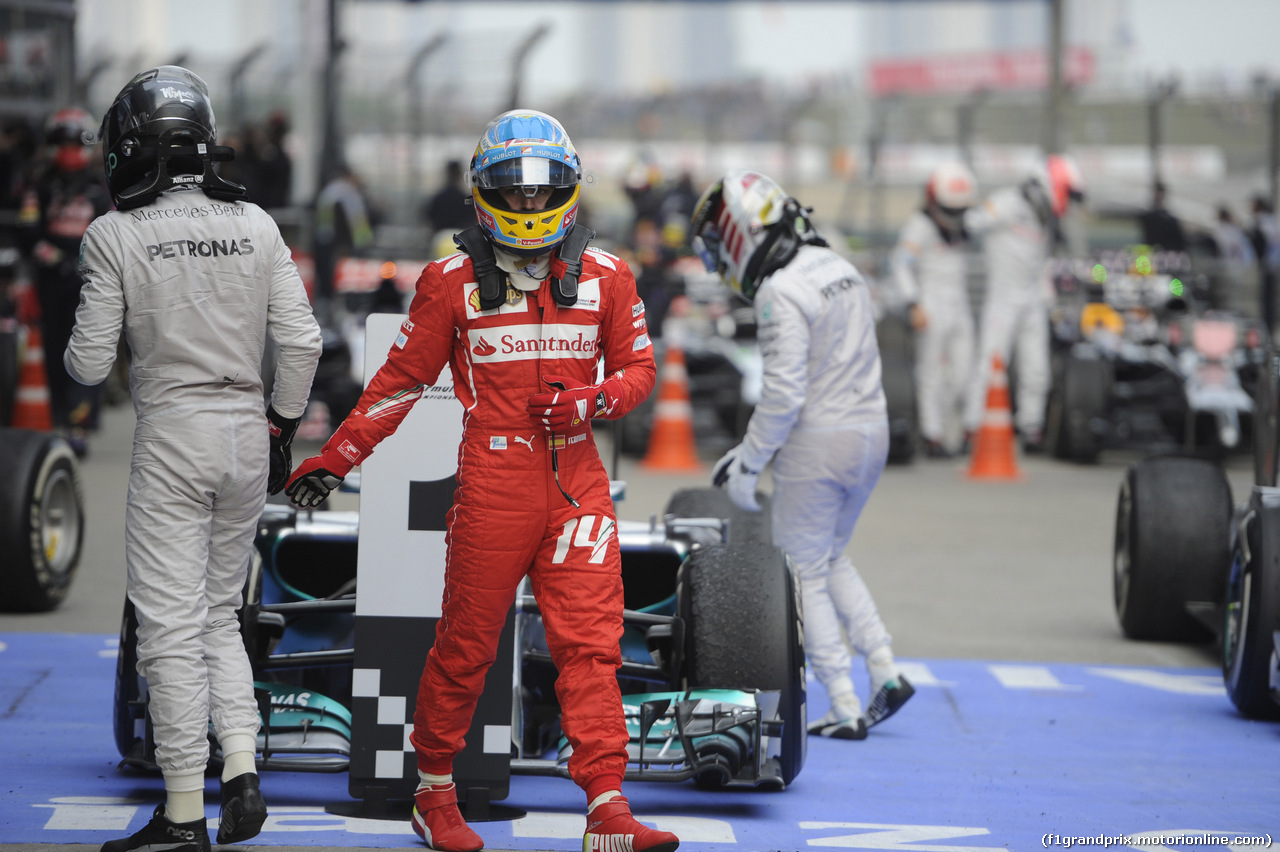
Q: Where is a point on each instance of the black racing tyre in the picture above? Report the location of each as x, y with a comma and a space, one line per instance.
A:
1252, 611
1172, 546
41, 520
634, 427
741, 607
715, 503
257, 637
898, 376
1075, 407
129, 707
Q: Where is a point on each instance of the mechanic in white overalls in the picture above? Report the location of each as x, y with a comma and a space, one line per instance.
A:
197, 278
1019, 226
931, 267
822, 411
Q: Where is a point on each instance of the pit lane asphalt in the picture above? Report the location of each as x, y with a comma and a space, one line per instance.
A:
963, 569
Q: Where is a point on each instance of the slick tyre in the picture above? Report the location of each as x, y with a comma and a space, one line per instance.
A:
1172, 546
1076, 406
632, 431
743, 630
129, 708
898, 376
1251, 614
715, 503
41, 520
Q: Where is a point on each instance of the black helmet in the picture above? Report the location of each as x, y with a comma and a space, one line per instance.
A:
160, 133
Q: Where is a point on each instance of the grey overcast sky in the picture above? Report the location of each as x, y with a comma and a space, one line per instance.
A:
1238, 36
783, 41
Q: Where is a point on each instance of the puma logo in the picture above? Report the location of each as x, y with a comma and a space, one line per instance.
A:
527, 442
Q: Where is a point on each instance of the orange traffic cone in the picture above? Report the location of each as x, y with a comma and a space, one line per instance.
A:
671, 444
993, 448
31, 409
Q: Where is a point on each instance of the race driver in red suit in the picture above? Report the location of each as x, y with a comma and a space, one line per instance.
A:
538, 346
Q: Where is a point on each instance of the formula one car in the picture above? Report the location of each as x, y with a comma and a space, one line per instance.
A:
1190, 567
713, 673
1138, 364
41, 519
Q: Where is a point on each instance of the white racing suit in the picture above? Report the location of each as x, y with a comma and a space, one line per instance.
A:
1015, 311
823, 411
197, 285
933, 273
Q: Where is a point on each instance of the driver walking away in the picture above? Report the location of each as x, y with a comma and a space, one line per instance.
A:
931, 268
821, 418
1019, 225
197, 277
528, 318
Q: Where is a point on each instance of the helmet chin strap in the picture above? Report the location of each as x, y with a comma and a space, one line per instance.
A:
785, 237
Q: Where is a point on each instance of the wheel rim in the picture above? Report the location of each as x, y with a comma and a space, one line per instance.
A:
59, 522
1236, 618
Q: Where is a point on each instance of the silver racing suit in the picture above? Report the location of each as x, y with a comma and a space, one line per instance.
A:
933, 274
822, 410
196, 285
1015, 311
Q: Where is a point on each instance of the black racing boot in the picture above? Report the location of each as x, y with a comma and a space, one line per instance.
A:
243, 809
889, 700
161, 835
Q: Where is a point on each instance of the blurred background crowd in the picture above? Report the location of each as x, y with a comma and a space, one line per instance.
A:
353, 121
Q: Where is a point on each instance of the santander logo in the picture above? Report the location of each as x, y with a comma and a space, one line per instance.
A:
533, 342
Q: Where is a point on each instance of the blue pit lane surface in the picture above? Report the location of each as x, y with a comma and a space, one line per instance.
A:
987, 756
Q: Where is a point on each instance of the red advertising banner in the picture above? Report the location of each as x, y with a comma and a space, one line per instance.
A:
970, 72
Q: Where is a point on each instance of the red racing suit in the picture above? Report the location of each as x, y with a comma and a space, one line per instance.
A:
509, 518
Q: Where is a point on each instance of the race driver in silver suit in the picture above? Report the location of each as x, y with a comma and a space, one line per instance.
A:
822, 412
197, 280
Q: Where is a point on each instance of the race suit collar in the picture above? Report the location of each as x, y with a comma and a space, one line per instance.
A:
526, 274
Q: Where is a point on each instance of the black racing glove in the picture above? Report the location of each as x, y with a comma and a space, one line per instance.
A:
281, 430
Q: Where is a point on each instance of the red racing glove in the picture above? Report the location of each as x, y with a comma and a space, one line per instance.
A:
569, 406
316, 477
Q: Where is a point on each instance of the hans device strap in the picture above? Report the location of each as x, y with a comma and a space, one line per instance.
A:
490, 278
476, 244
565, 289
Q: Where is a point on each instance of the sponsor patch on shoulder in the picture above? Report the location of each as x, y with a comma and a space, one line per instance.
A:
401, 340
637, 309
588, 295
497, 442
641, 342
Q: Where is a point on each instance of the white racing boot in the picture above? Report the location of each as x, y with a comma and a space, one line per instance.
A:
844, 720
